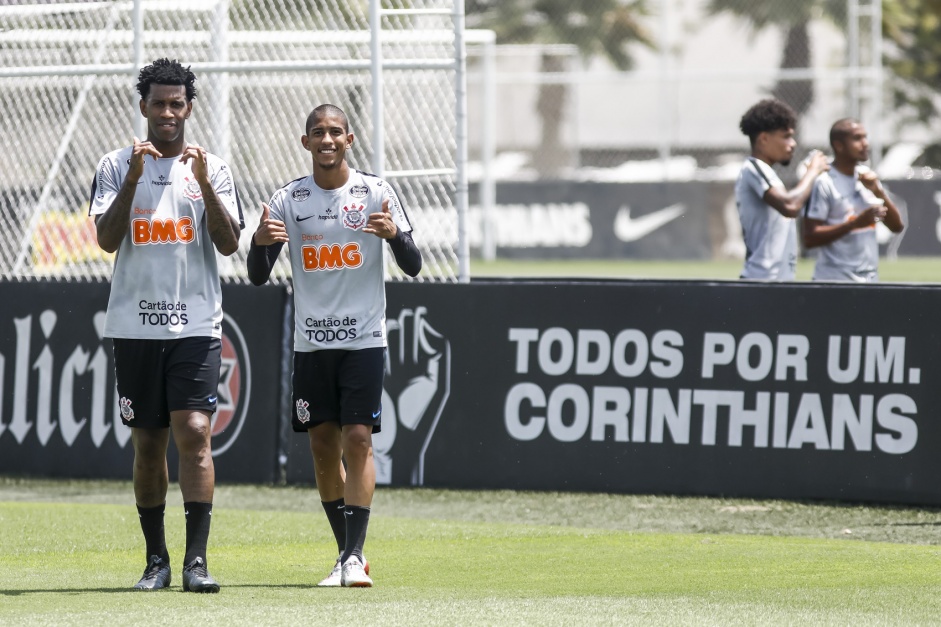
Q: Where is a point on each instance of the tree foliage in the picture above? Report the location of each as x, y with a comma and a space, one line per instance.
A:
793, 18
912, 29
597, 27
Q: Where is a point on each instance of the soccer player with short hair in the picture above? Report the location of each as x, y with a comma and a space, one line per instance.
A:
844, 207
766, 208
165, 206
336, 220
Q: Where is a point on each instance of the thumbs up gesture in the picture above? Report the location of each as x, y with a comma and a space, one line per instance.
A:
381, 223
269, 231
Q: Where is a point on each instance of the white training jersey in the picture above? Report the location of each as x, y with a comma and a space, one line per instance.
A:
836, 197
770, 238
165, 283
338, 271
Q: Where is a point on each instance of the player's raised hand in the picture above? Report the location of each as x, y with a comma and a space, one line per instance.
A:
870, 181
818, 163
870, 215
141, 150
200, 166
381, 223
269, 231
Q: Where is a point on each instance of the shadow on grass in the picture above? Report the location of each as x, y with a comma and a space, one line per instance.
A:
284, 586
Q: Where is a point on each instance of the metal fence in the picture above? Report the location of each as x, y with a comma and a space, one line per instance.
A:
67, 76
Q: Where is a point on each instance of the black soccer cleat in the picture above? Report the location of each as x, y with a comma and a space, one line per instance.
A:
197, 579
156, 575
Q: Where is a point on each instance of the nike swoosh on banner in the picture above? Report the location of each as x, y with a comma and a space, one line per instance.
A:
628, 229
300, 219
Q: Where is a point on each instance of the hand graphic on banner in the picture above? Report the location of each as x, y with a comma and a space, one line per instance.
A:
417, 385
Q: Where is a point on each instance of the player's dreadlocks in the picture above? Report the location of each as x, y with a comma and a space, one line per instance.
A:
166, 72
767, 115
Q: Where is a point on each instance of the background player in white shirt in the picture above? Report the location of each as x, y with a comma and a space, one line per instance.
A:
166, 206
766, 208
335, 222
846, 204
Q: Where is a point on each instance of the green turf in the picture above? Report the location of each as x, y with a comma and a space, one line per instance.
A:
902, 270
70, 550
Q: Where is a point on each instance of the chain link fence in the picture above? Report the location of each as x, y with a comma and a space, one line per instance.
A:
67, 91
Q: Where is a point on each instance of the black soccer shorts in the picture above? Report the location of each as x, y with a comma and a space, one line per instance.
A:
156, 377
340, 386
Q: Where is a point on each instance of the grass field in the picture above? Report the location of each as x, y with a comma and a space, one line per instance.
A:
902, 270
70, 550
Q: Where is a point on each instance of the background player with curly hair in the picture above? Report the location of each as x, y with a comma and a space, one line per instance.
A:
165, 206
766, 208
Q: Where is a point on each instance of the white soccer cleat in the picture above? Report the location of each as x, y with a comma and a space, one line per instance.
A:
334, 579
354, 574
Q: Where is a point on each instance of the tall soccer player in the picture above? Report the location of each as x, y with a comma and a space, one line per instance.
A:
165, 206
336, 220
766, 208
846, 204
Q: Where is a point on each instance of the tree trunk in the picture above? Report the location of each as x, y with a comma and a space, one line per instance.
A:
797, 93
551, 158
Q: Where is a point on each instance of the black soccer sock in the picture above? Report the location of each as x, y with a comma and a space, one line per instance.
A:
357, 519
151, 523
198, 517
337, 521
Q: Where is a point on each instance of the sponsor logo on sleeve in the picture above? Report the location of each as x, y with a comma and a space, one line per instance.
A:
300, 194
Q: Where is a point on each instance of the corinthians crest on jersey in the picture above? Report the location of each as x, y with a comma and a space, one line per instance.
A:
354, 216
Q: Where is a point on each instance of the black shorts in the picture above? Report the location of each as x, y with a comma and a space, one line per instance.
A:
338, 386
156, 377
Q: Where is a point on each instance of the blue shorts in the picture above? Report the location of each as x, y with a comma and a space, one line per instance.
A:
339, 386
156, 377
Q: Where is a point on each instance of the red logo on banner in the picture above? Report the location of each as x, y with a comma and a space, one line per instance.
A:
234, 389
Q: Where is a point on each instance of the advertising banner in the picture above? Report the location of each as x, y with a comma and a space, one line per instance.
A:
669, 220
59, 411
736, 389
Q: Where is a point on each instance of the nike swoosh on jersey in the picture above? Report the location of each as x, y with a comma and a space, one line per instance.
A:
628, 229
300, 219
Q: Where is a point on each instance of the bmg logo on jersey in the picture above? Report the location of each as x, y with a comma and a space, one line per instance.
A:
331, 256
168, 231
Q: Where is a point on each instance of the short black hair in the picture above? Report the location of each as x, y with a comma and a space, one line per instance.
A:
324, 110
767, 115
166, 72
841, 129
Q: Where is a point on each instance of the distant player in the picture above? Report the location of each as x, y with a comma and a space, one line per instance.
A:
166, 206
336, 221
844, 207
766, 208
